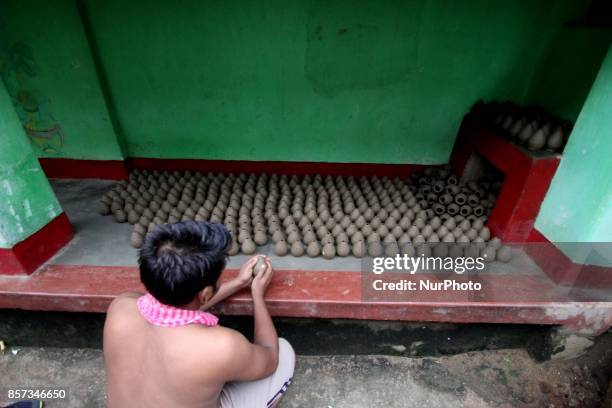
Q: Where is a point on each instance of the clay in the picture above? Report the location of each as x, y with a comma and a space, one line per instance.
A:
260, 237
537, 140
293, 236
248, 246
297, 248
495, 243
357, 236
309, 237
427, 231
343, 249
375, 223
485, 233
103, 208
278, 235
313, 249
358, 249
366, 230
281, 248
472, 234
504, 254
488, 253
407, 249
375, 249
555, 140
120, 216
397, 231
455, 251
440, 250
234, 248
136, 239
526, 133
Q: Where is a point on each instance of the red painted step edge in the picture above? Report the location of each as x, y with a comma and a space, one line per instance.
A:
561, 269
310, 294
84, 169
26, 256
527, 178
119, 170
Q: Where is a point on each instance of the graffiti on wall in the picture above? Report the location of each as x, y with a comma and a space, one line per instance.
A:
18, 70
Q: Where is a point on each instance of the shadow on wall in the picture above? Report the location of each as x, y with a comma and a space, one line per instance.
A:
565, 76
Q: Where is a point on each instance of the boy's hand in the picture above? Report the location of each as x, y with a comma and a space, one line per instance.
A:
262, 280
245, 276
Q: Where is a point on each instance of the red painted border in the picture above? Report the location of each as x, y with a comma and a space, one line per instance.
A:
561, 269
527, 178
84, 169
280, 167
312, 294
29, 254
118, 170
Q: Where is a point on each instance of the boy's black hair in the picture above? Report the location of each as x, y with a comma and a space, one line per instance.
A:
179, 260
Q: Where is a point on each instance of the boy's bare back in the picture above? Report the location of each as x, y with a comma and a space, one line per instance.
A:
156, 366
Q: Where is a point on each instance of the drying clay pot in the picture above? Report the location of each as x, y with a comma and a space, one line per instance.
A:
248, 246
358, 249
281, 248
343, 249
120, 216
136, 239
555, 141
504, 253
260, 237
366, 230
408, 249
297, 248
309, 237
259, 266
537, 140
313, 249
375, 249
485, 233
488, 253
455, 251
328, 251
103, 208
495, 243
234, 248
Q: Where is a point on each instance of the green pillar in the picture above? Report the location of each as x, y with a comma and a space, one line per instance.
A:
27, 202
578, 206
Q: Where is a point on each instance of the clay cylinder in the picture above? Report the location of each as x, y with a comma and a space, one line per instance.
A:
460, 199
465, 210
452, 209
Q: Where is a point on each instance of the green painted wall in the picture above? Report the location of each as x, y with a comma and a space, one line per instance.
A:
47, 66
27, 202
343, 81
578, 206
570, 65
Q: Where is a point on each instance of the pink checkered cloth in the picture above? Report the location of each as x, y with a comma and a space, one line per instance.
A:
163, 315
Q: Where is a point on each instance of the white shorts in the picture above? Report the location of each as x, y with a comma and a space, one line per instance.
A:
265, 392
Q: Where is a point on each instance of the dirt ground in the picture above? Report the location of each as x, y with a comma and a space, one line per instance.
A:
366, 364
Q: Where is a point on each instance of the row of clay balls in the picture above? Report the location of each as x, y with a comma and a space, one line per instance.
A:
315, 215
443, 193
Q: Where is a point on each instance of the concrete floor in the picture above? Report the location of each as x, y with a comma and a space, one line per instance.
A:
101, 241
340, 363
487, 379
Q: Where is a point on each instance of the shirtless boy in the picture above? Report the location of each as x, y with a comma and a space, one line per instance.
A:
163, 349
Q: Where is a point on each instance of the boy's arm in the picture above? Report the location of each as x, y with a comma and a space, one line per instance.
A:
253, 361
227, 289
